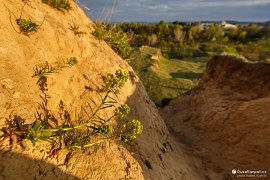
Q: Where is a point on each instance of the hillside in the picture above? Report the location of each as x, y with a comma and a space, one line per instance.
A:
225, 120
163, 78
153, 155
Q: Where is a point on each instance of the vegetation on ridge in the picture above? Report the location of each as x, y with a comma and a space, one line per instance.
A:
60, 5
115, 37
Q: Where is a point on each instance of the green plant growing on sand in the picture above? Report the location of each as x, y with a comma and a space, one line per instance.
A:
27, 27
89, 128
46, 69
115, 37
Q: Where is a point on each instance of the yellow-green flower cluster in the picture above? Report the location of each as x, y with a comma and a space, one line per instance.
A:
130, 130
122, 111
113, 83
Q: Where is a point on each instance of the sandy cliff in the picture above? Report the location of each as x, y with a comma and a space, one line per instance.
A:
225, 120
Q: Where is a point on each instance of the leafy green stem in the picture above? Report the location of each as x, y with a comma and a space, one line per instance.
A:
92, 144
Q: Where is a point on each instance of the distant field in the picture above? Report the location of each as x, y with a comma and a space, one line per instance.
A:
163, 78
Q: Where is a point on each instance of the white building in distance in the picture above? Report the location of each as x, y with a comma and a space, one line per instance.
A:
227, 25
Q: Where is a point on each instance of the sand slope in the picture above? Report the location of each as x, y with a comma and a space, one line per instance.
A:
226, 120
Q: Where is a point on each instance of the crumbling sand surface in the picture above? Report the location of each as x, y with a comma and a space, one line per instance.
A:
226, 120
154, 155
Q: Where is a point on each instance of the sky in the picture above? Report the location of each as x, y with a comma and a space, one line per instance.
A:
177, 10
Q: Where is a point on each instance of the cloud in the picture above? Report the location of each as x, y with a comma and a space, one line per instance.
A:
228, 3
184, 10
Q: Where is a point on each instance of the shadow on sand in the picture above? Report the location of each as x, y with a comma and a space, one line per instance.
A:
18, 166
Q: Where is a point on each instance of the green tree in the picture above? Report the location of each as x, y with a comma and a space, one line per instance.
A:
152, 39
179, 34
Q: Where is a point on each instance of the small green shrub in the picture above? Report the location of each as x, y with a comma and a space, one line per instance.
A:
27, 27
115, 37
60, 5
